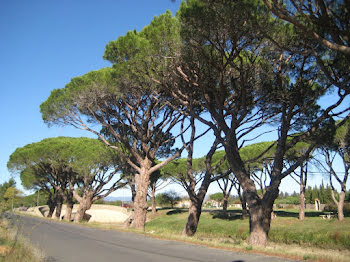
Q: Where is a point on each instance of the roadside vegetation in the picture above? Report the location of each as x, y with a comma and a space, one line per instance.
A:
314, 238
215, 224
14, 247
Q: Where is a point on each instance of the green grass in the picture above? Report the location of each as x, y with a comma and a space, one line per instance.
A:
286, 230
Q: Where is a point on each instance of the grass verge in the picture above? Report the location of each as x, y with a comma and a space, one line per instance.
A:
314, 239
14, 247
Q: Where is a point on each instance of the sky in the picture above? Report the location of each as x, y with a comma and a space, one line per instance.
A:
43, 44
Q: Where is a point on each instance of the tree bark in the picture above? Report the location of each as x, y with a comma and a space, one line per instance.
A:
260, 213
140, 203
244, 205
259, 224
85, 203
302, 203
133, 189
52, 204
245, 214
340, 203
69, 210
224, 205
58, 207
69, 204
154, 208
341, 206
194, 213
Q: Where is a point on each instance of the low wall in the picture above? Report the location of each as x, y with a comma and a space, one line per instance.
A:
307, 206
99, 213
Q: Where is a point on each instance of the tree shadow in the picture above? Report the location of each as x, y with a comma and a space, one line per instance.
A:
228, 215
175, 211
284, 213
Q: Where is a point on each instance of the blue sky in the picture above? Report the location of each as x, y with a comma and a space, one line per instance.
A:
43, 44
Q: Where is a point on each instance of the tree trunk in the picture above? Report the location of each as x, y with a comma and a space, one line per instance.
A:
154, 208
224, 205
52, 204
260, 212
244, 210
302, 203
194, 214
133, 192
259, 225
85, 203
69, 210
58, 209
70, 204
341, 206
140, 203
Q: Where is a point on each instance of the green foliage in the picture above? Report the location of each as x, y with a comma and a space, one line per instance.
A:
322, 193
80, 157
12, 194
32, 200
167, 198
5, 186
217, 197
331, 207
292, 200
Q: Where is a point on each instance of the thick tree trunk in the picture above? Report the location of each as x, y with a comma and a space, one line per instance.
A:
85, 203
59, 203
70, 204
259, 225
194, 214
302, 203
58, 209
69, 210
52, 204
154, 208
260, 213
140, 203
51, 210
341, 206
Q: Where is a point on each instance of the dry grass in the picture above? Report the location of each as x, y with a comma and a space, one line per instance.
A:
14, 247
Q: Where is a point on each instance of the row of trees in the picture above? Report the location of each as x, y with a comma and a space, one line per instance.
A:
243, 69
9, 195
68, 169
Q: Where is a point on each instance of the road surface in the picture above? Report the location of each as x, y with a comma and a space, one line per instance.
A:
70, 242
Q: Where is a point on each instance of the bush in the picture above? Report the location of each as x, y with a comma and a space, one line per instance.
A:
331, 207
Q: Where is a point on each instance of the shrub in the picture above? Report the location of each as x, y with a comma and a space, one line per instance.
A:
331, 207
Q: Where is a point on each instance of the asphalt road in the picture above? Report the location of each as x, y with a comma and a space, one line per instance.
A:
70, 242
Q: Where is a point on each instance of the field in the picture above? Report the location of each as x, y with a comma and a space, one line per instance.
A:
314, 239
